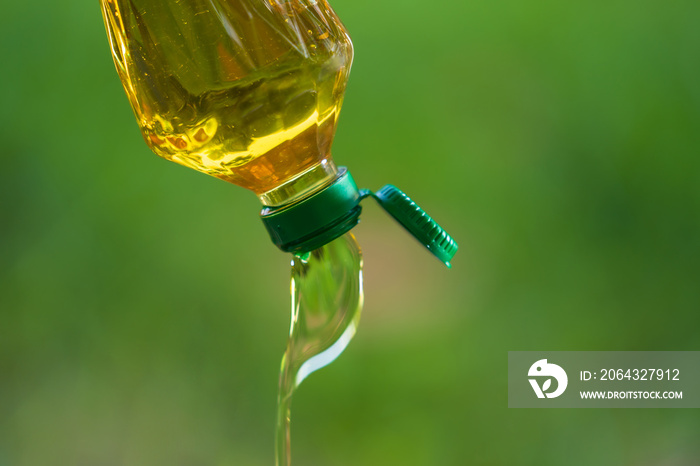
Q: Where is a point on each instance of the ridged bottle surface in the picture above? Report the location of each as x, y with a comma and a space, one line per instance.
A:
247, 91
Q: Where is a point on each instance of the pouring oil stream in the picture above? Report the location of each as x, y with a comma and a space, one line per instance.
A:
327, 297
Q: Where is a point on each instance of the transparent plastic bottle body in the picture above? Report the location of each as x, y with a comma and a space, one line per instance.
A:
247, 91
327, 300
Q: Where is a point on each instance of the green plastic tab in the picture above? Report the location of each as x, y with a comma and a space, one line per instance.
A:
417, 222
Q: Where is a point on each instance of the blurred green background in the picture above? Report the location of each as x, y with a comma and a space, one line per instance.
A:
144, 310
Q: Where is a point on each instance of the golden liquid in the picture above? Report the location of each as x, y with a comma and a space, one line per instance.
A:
248, 91
326, 305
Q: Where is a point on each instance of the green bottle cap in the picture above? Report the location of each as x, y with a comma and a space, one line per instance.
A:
334, 210
316, 220
417, 222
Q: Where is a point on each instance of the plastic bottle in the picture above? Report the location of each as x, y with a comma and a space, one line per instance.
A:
249, 91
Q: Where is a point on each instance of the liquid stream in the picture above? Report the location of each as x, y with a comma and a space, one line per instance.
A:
327, 301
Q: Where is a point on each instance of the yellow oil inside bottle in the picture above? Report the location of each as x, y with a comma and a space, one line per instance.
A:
247, 91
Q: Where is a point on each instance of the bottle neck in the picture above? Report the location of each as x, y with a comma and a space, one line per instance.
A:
301, 186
